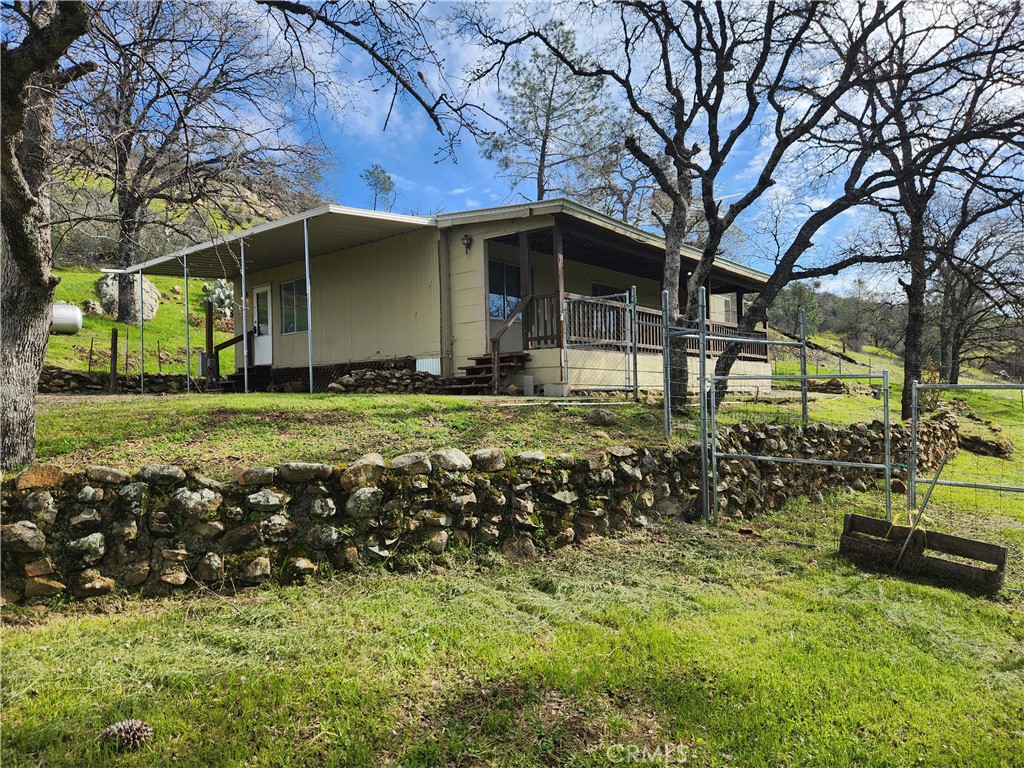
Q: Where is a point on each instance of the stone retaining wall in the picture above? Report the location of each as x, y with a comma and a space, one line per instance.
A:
746, 487
54, 380
166, 528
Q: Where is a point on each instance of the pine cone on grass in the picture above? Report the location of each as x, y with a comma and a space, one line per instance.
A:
127, 734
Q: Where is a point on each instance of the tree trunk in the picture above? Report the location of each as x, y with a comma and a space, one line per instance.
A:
947, 327
26, 307
913, 353
29, 89
956, 355
128, 252
679, 367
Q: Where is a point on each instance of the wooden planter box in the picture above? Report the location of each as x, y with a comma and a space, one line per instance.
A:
875, 542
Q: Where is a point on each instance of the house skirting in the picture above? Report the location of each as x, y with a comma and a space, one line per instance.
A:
606, 369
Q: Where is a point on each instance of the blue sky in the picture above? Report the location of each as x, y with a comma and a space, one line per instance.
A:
408, 150
427, 182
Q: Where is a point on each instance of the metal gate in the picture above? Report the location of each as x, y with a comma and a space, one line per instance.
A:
708, 405
600, 342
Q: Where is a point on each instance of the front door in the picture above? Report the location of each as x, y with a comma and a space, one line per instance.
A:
262, 346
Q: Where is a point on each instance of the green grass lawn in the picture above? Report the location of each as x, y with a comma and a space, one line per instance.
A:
164, 334
742, 650
224, 433
738, 649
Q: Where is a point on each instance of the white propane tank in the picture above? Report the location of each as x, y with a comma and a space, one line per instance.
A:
67, 319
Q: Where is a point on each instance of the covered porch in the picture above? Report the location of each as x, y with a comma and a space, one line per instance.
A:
576, 295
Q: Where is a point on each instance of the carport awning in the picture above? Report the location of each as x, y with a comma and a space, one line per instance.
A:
331, 228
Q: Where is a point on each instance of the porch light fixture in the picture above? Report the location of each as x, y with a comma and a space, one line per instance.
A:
467, 241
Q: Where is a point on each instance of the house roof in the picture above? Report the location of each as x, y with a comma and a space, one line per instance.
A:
330, 228
589, 235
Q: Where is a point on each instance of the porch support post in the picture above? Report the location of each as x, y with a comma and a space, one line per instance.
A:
525, 277
525, 282
739, 306
142, 341
188, 338
309, 305
245, 327
556, 242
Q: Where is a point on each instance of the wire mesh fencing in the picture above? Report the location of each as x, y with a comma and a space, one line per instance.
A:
985, 473
600, 342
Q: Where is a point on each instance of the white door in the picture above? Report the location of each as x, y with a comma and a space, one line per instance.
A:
262, 346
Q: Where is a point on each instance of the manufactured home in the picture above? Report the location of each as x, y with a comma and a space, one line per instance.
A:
550, 294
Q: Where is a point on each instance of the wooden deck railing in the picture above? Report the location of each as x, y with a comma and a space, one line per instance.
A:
596, 322
540, 322
214, 361
604, 323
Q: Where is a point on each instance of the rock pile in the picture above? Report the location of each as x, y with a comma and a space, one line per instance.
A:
403, 380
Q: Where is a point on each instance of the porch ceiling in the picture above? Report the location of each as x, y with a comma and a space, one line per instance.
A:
598, 247
331, 228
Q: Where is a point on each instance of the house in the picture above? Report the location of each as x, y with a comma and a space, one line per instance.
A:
546, 285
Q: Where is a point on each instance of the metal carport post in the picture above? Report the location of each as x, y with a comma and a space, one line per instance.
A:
309, 305
245, 327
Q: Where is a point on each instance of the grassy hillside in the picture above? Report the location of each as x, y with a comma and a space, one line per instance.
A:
165, 333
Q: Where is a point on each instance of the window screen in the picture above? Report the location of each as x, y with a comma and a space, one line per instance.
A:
293, 307
504, 290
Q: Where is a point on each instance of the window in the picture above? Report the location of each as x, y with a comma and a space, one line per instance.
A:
293, 307
723, 308
504, 289
600, 289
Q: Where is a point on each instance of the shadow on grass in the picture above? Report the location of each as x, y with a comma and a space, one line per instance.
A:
512, 722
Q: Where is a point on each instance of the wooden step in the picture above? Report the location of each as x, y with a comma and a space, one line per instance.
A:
502, 368
509, 356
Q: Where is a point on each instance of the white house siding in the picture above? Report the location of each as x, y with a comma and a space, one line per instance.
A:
601, 369
371, 302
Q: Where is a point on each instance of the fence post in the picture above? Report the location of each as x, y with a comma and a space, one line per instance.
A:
712, 391
803, 367
142, 339
113, 360
666, 373
634, 331
912, 458
888, 446
702, 349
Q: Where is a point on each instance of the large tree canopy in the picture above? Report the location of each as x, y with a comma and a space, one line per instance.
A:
187, 123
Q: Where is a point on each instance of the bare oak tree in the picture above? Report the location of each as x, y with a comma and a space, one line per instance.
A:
706, 81
394, 43
942, 106
189, 113
980, 285
31, 78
